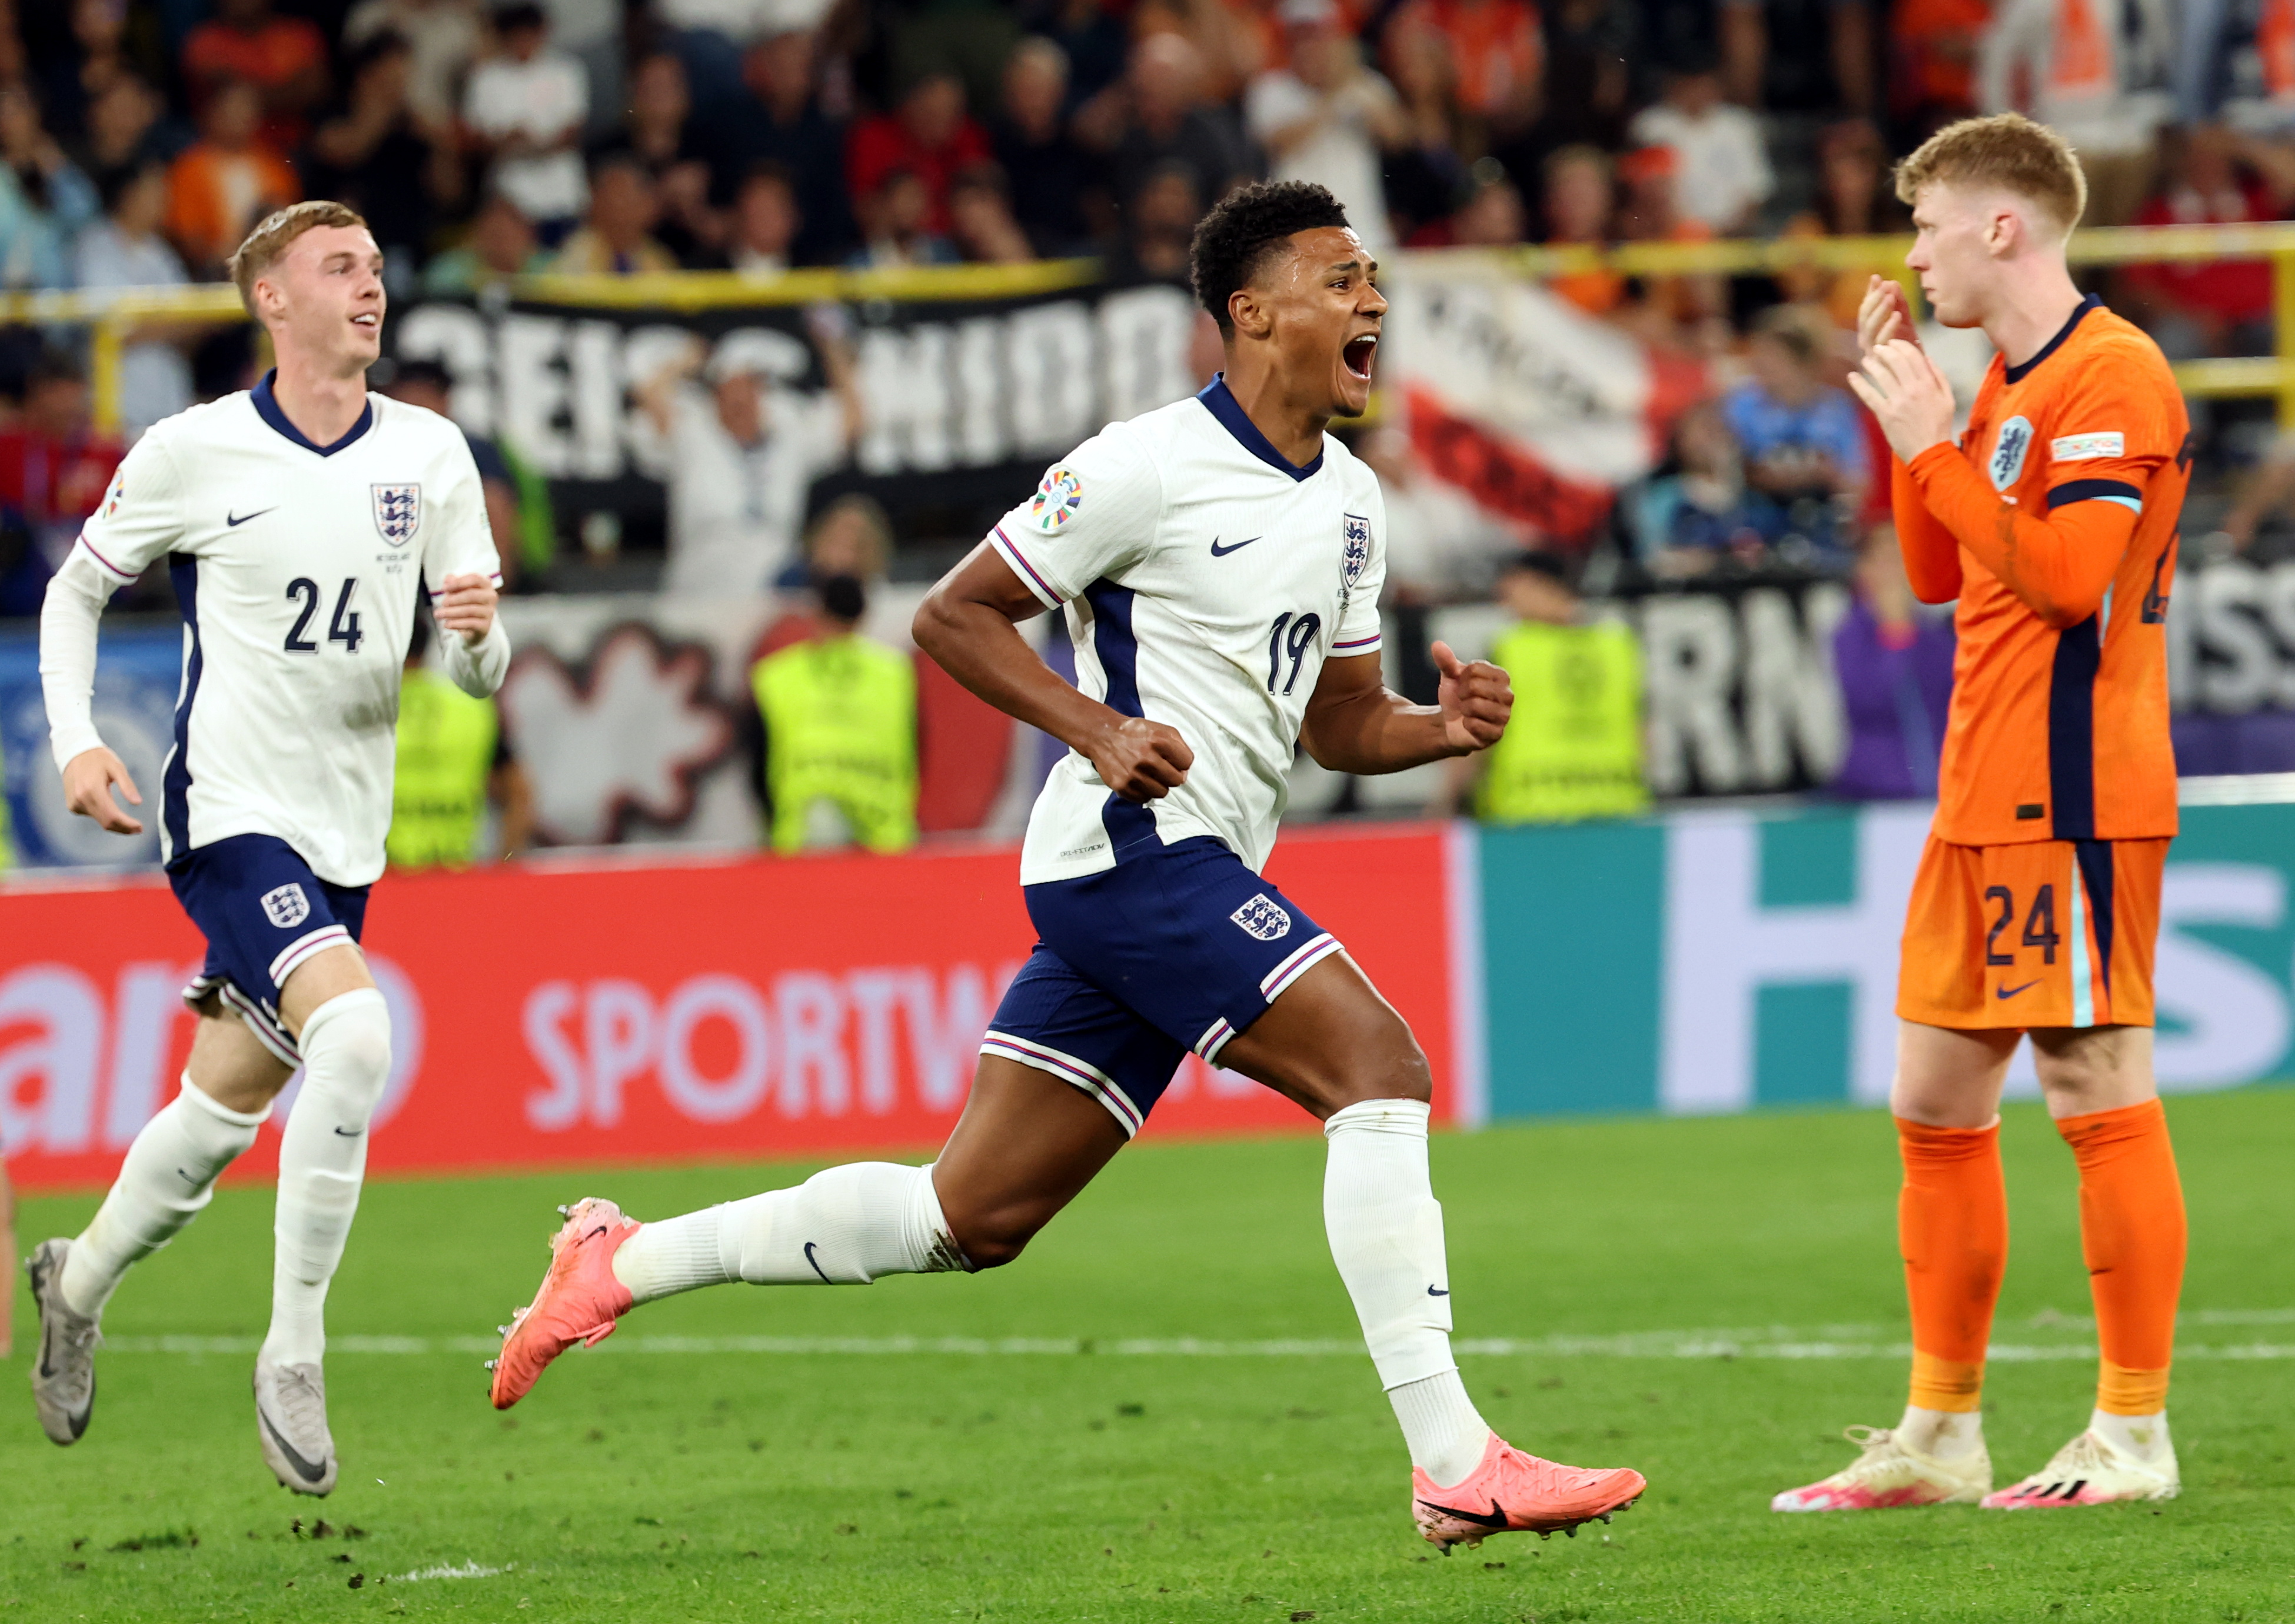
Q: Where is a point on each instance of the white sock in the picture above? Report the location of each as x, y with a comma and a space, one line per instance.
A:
844, 1226
2143, 1437
1943, 1434
345, 1044
168, 1176
1385, 1230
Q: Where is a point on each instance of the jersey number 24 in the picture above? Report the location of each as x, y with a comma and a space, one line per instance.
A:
342, 628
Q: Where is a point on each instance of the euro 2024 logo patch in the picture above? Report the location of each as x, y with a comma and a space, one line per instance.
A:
1264, 917
397, 512
1355, 555
1056, 499
2007, 465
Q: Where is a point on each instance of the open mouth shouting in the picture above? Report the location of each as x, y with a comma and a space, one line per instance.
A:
1358, 354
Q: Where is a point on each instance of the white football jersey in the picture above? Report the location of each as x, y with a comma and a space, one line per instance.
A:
1206, 579
296, 566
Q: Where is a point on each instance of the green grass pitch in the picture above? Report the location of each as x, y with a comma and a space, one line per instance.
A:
690, 1481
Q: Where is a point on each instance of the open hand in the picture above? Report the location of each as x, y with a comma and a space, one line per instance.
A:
1885, 314
88, 779
1476, 699
1141, 760
1904, 389
466, 604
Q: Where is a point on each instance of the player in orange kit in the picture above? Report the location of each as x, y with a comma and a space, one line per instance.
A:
2053, 521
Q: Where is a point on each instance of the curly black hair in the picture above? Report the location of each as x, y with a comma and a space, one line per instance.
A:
1234, 240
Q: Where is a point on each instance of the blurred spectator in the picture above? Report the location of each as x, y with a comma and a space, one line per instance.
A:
1805, 448
1932, 48
2263, 495
1492, 215
1894, 663
892, 226
2236, 61
284, 58
660, 131
1426, 176
1650, 212
1326, 117
928, 136
740, 465
444, 36
224, 181
96, 58
764, 222
851, 536
1572, 748
2196, 307
779, 118
501, 244
1494, 51
1579, 200
1590, 46
524, 109
2096, 74
1856, 197
1805, 57
980, 219
616, 238
54, 469
428, 385
1091, 38
1687, 520
709, 36
839, 716
43, 198
1725, 173
1157, 115
1158, 228
125, 250
453, 764
372, 154
970, 39
121, 130
1052, 179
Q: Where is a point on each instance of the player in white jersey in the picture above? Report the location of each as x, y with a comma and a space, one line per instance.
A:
299, 521
1219, 562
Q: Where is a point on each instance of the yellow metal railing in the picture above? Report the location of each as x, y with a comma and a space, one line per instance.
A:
112, 313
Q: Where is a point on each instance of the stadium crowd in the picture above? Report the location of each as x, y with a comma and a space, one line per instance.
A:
140, 139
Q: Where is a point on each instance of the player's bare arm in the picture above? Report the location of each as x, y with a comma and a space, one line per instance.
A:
1355, 724
970, 624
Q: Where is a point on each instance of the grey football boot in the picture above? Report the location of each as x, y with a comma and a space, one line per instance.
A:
290, 1421
63, 1376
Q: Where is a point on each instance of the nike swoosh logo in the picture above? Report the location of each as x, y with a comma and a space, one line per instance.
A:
234, 520
2012, 991
1433, 1292
348, 1133
817, 1268
1218, 552
1496, 1517
304, 1469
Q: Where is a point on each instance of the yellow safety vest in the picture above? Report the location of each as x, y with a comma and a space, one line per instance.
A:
446, 755
1574, 748
840, 717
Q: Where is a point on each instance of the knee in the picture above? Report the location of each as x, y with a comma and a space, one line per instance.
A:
993, 1238
1384, 1063
347, 1040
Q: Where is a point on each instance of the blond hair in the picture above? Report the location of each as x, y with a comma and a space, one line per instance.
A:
276, 234
2007, 150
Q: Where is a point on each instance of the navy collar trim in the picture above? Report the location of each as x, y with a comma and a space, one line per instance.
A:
2017, 374
1224, 406
266, 407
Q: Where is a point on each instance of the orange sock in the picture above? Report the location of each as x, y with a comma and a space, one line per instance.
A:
2132, 1233
1952, 1225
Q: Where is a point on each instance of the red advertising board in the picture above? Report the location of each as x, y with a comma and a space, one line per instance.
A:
662, 1009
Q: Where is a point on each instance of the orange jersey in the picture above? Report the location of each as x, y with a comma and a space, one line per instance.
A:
2053, 522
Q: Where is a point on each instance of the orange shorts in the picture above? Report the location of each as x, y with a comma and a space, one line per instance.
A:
2051, 933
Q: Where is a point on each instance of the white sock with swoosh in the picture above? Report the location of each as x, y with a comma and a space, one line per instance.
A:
345, 1044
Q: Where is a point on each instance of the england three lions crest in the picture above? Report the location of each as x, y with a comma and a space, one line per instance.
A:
397, 511
1355, 555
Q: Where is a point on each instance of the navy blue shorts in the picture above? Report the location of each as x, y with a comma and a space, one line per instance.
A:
264, 914
1176, 948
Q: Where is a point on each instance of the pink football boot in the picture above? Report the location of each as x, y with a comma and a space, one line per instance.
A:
579, 1300
1889, 1473
1511, 1491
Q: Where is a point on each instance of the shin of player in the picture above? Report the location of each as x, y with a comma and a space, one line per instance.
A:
300, 521
2052, 521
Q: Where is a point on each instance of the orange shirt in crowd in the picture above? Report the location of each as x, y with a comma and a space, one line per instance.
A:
1496, 49
271, 58
1936, 45
216, 195
2054, 523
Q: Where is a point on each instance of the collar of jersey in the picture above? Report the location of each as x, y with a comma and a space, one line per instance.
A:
266, 407
1229, 412
2017, 374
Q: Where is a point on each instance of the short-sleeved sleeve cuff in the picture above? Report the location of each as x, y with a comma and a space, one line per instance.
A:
1348, 647
1023, 566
